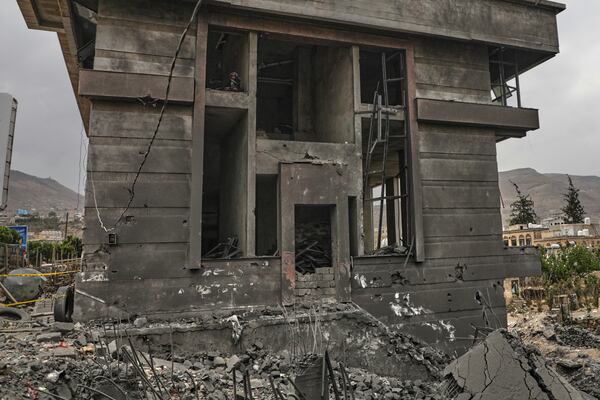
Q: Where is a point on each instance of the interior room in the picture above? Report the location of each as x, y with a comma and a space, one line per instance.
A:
227, 61
304, 91
224, 178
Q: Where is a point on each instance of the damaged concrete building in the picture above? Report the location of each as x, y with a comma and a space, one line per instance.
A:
310, 150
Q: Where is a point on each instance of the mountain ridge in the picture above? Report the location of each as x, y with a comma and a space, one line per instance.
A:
43, 195
547, 190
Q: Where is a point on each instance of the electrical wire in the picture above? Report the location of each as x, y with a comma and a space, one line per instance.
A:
104, 228
81, 140
160, 118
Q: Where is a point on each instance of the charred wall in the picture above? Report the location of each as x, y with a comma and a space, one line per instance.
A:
149, 269
460, 282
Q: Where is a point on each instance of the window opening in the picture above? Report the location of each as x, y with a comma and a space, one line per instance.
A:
304, 92
386, 154
504, 73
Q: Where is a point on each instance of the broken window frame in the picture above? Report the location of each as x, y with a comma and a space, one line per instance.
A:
401, 223
504, 67
301, 30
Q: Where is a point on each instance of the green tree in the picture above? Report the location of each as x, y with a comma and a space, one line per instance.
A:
9, 236
522, 209
573, 210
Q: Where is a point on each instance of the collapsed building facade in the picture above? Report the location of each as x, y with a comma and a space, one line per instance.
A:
313, 150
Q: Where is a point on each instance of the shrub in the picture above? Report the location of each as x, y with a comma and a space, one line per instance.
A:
9, 236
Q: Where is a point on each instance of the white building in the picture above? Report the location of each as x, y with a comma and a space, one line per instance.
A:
8, 115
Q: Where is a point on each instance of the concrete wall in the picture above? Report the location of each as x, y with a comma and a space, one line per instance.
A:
234, 184
438, 299
333, 89
146, 272
520, 23
461, 281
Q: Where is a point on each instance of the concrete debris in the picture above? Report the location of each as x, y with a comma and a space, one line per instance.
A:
310, 255
236, 328
393, 249
125, 361
502, 368
227, 249
575, 336
572, 350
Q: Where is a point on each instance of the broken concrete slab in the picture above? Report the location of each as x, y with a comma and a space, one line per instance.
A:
502, 368
48, 337
63, 326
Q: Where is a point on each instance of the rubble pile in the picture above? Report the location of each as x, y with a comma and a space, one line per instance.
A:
73, 364
571, 349
66, 361
574, 336
103, 361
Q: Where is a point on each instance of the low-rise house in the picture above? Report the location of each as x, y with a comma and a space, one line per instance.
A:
290, 125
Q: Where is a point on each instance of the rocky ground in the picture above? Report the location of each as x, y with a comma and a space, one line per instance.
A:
573, 349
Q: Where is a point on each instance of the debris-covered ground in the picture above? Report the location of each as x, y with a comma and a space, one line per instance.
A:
573, 348
41, 359
66, 361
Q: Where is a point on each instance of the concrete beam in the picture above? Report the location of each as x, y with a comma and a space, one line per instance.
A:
525, 24
513, 120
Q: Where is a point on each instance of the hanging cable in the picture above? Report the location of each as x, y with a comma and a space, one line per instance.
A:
80, 168
102, 226
160, 118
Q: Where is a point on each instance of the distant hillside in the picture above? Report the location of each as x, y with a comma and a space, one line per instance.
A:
546, 191
40, 194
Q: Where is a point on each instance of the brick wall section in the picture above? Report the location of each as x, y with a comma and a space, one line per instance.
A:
319, 284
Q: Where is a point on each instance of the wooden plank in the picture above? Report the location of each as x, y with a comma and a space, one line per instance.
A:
133, 120
150, 296
150, 12
126, 155
108, 60
451, 53
440, 169
462, 223
112, 190
457, 140
450, 333
138, 87
371, 273
443, 195
128, 262
452, 76
145, 225
431, 91
138, 261
407, 302
142, 39
463, 247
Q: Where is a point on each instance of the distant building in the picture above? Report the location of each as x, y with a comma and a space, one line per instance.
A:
50, 236
8, 116
553, 235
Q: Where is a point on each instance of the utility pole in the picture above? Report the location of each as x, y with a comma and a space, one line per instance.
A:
66, 225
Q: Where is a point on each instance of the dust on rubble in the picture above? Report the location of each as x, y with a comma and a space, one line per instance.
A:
74, 361
572, 347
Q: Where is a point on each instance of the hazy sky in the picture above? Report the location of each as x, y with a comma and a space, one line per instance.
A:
566, 89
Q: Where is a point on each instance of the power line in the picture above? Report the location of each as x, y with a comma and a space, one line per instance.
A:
81, 139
